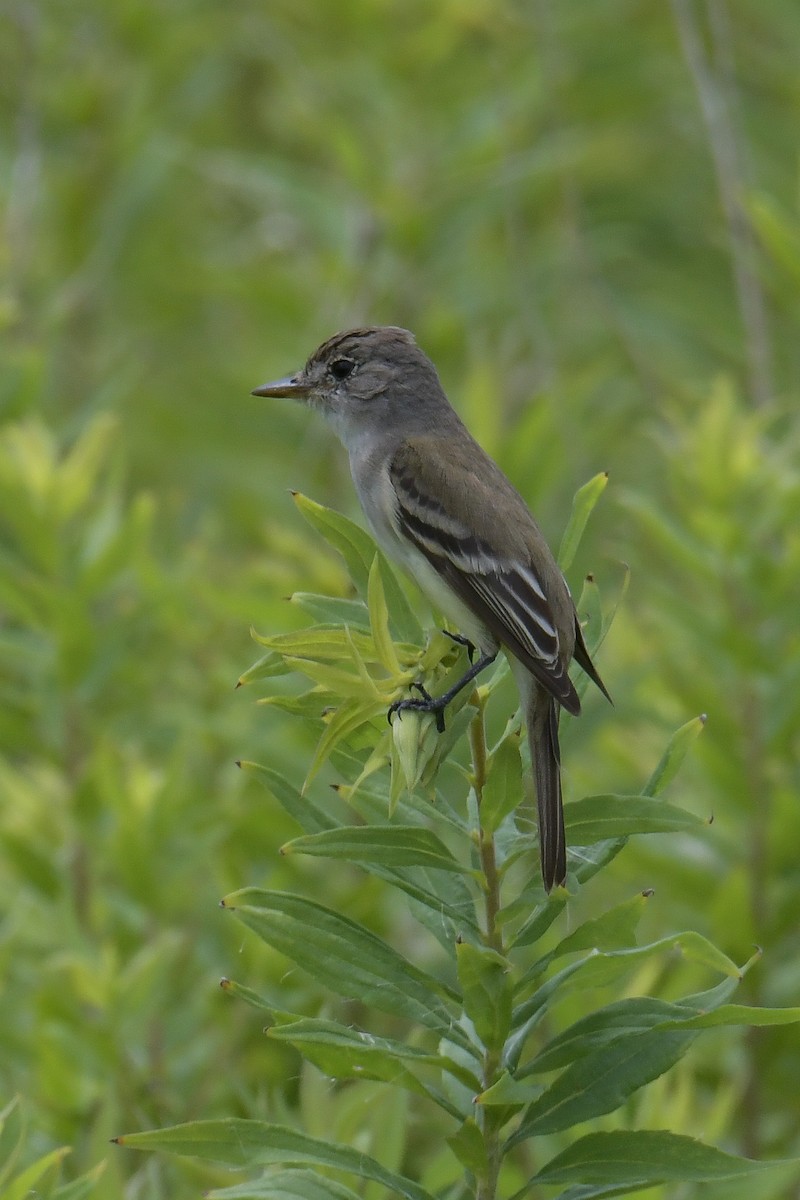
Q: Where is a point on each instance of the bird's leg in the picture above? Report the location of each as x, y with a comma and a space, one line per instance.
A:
438, 704
460, 640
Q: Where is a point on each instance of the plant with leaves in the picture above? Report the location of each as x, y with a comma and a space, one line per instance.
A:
42, 1177
471, 1033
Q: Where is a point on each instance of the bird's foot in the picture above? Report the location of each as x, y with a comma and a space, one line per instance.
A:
426, 704
460, 640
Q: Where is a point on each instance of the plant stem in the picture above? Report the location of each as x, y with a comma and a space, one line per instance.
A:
715, 106
487, 1184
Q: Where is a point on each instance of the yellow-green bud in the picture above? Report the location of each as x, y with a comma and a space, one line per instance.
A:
414, 738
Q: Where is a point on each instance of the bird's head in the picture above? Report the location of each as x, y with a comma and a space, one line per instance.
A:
368, 376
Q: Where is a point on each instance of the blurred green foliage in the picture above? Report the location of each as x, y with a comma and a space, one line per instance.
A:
603, 265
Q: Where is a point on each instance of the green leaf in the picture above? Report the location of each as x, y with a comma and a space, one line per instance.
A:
602, 1080
82, 1187
584, 501
344, 722
346, 1053
267, 667
502, 791
236, 1142
444, 895
645, 1158
596, 818
232, 988
393, 845
343, 956
355, 546
509, 1092
612, 930
81, 468
621, 1019
379, 620
540, 919
311, 705
600, 969
12, 1137
590, 615
736, 1014
22, 1186
402, 619
322, 643
307, 815
285, 1185
333, 610
485, 984
677, 748
469, 1147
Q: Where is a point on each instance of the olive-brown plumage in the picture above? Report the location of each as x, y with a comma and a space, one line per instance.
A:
443, 509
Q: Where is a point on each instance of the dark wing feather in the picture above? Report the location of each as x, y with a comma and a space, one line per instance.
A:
489, 571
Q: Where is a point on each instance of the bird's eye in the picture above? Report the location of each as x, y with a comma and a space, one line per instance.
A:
342, 367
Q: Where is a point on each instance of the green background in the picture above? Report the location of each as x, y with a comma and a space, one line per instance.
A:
588, 214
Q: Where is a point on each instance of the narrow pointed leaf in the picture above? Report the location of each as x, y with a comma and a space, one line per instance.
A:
484, 978
267, 667
393, 845
308, 815
238, 1142
379, 620
347, 1053
81, 1188
612, 930
509, 1092
333, 610
322, 643
584, 501
601, 1081
678, 747
469, 1147
355, 546
285, 1185
444, 894
343, 955
736, 1014
502, 791
645, 1158
402, 618
597, 818
616, 1021
25, 1183
345, 721
231, 988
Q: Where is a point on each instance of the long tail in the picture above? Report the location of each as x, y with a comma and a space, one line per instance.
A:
541, 715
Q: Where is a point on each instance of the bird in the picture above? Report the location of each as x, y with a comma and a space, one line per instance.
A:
442, 509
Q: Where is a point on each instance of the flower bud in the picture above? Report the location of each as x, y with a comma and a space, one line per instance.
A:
414, 738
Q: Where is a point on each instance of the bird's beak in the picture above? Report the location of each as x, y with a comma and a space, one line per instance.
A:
291, 385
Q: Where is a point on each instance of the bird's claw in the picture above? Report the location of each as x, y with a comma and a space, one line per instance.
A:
460, 640
426, 704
